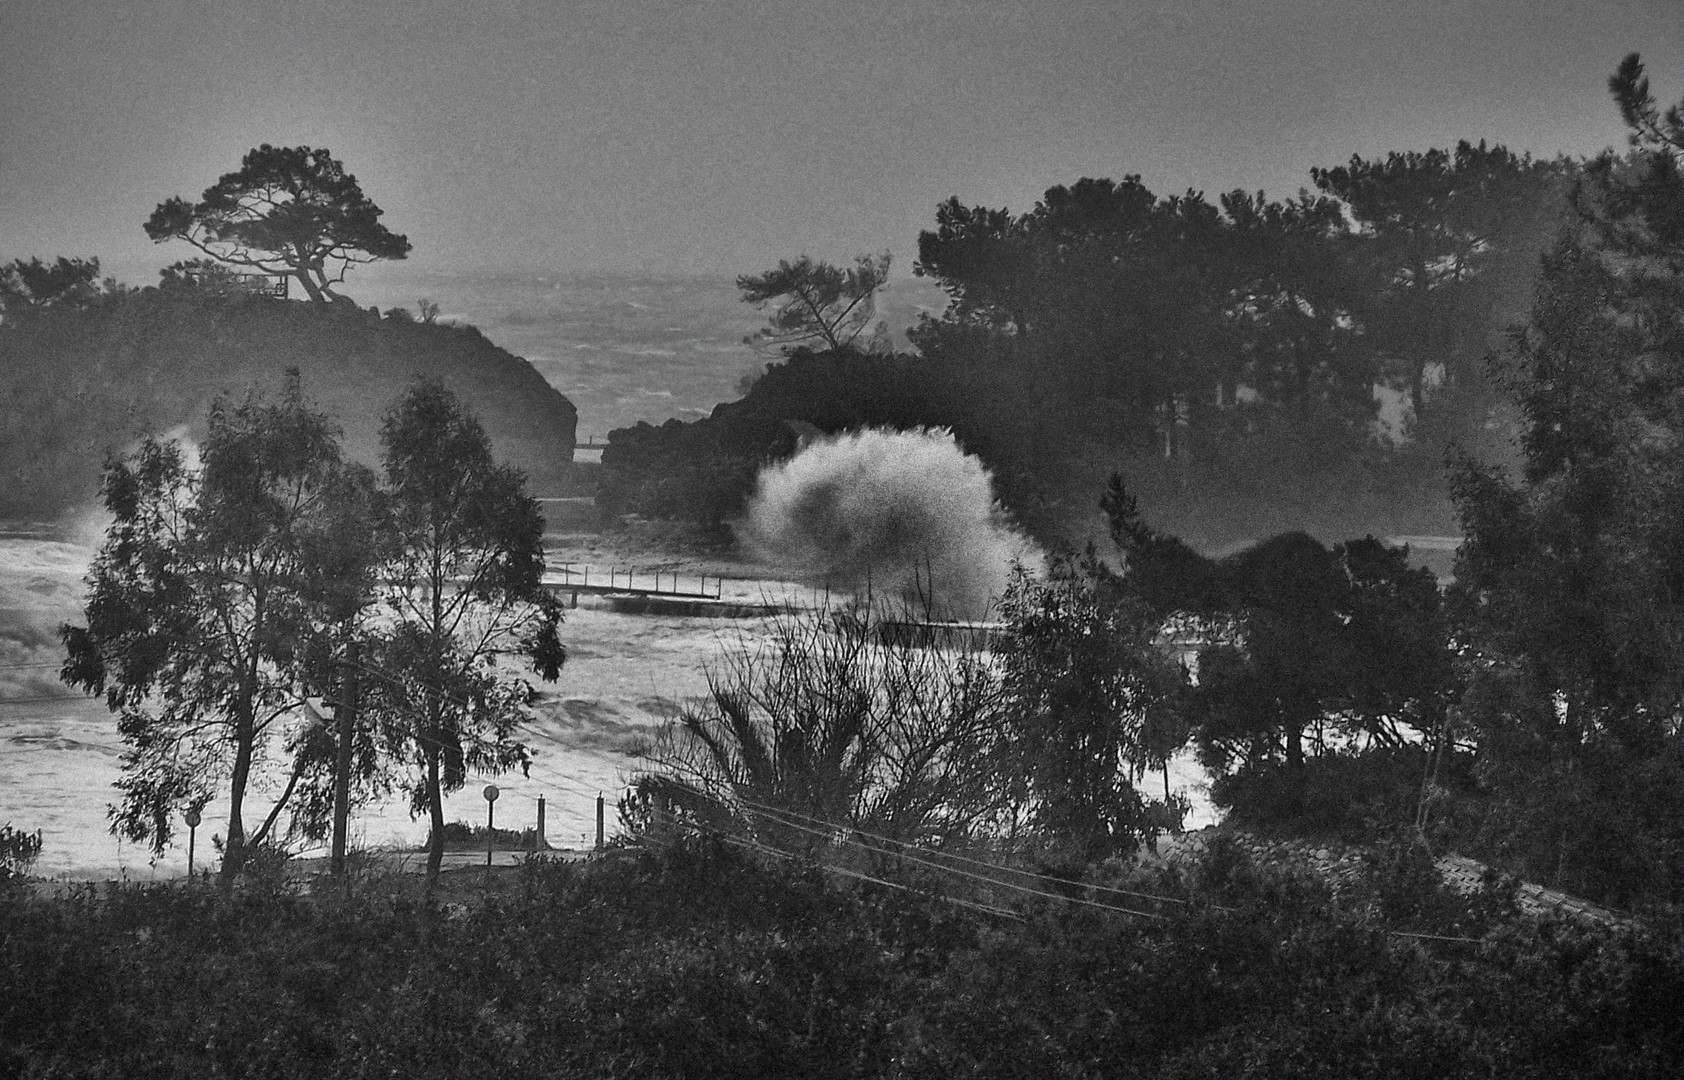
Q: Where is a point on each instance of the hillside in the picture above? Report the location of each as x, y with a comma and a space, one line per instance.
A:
83, 382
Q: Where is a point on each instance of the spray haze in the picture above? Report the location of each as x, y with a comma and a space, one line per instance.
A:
909, 513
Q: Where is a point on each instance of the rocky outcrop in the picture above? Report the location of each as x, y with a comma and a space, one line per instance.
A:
83, 382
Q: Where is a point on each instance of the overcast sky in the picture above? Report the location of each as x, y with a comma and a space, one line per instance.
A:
565, 136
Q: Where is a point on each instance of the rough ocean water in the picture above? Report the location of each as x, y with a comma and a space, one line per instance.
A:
623, 349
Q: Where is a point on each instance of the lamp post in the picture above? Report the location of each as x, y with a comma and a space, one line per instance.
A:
192, 819
491, 794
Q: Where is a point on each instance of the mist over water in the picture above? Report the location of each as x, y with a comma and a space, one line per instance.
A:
908, 514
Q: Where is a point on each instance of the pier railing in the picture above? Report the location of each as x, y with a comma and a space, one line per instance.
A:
573, 579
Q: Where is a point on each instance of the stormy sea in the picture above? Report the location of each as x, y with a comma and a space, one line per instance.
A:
623, 349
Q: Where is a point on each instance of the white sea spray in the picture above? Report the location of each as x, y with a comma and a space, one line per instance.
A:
906, 513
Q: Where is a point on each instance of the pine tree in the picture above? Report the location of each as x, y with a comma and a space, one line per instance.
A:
1570, 584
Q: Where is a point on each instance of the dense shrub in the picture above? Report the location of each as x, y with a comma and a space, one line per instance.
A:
695, 962
1354, 797
17, 850
460, 834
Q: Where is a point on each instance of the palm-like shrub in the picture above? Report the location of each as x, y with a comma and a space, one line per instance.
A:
829, 721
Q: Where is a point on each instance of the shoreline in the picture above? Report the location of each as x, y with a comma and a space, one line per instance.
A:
625, 675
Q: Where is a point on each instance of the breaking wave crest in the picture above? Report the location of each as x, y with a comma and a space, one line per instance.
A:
906, 514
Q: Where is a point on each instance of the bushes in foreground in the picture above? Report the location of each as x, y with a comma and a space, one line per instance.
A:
460, 834
695, 962
17, 850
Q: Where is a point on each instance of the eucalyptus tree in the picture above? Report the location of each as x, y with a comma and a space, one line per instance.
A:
347, 549
197, 607
464, 590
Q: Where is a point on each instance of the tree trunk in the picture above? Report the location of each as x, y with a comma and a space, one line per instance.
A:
311, 289
268, 825
435, 810
234, 851
345, 717
1295, 747
1418, 382
434, 742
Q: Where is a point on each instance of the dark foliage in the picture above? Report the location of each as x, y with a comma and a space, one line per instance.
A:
1353, 797
704, 471
695, 962
29, 286
17, 850
1300, 651
460, 834
1090, 704
1567, 587
1224, 355
1448, 252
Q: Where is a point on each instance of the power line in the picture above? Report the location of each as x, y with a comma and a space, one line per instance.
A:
959, 858
990, 909
829, 831
557, 770
572, 789
1009, 885
968, 874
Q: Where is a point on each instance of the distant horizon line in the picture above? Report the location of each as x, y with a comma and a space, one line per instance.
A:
140, 272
